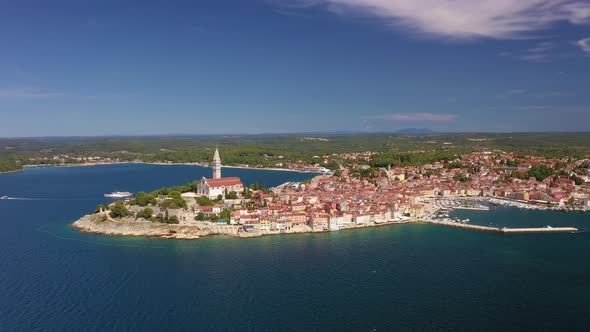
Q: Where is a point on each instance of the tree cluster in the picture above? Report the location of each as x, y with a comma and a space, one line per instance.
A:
119, 210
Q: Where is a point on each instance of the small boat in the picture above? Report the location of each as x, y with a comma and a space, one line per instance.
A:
118, 194
4, 197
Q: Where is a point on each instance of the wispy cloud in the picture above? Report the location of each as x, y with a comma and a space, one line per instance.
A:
27, 93
415, 117
584, 44
519, 108
521, 93
541, 52
461, 19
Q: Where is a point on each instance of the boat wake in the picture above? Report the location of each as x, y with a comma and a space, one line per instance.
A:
22, 198
42, 199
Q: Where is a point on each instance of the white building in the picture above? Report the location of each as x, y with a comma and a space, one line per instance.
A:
217, 185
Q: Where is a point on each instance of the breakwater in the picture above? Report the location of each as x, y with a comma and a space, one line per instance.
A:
504, 229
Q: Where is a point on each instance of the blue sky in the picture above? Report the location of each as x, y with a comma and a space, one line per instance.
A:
280, 66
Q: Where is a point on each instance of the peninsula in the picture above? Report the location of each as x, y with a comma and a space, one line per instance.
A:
355, 196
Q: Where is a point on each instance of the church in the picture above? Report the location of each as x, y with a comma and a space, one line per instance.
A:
217, 185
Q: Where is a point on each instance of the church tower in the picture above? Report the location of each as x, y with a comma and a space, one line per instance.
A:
216, 165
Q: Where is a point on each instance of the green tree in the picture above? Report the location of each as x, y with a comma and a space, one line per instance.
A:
174, 201
454, 164
256, 186
100, 208
119, 210
145, 213
231, 195
578, 181
461, 178
225, 214
540, 172
143, 199
200, 216
204, 201
512, 163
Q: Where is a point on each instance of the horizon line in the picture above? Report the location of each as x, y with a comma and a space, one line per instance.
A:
332, 133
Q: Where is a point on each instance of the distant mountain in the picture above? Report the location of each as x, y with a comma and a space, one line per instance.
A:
415, 131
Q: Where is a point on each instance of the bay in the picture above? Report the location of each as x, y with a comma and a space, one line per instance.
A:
391, 278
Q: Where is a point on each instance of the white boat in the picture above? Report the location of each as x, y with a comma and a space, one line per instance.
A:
4, 197
118, 194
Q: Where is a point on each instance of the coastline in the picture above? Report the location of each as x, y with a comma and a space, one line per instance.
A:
271, 169
162, 164
15, 171
101, 223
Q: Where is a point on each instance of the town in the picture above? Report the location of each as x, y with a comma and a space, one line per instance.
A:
361, 196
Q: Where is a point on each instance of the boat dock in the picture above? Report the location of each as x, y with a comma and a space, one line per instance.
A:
504, 229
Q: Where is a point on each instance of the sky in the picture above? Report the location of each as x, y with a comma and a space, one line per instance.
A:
109, 67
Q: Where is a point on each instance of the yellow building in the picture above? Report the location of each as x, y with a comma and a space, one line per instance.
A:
417, 211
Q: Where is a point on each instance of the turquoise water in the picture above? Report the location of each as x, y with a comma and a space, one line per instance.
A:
394, 278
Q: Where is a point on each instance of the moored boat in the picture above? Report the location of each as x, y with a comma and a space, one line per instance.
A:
118, 194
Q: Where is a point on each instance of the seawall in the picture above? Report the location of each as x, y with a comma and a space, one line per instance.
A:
504, 229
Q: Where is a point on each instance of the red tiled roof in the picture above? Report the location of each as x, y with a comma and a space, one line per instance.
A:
221, 182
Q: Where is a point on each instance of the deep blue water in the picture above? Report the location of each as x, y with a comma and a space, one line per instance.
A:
394, 278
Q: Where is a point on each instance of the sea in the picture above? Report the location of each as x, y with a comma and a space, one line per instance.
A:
413, 277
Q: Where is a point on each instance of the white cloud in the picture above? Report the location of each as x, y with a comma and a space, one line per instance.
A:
463, 19
26, 93
584, 45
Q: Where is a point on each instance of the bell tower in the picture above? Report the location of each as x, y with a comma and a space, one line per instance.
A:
216, 165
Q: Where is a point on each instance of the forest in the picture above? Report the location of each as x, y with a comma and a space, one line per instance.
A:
273, 150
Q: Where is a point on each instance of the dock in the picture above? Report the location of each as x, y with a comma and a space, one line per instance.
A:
540, 230
504, 229
474, 208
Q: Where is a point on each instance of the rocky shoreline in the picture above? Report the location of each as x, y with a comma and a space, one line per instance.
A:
13, 171
101, 223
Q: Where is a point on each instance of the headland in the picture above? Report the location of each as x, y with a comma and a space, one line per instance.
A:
349, 198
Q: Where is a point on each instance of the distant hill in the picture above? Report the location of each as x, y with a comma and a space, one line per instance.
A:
416, 131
